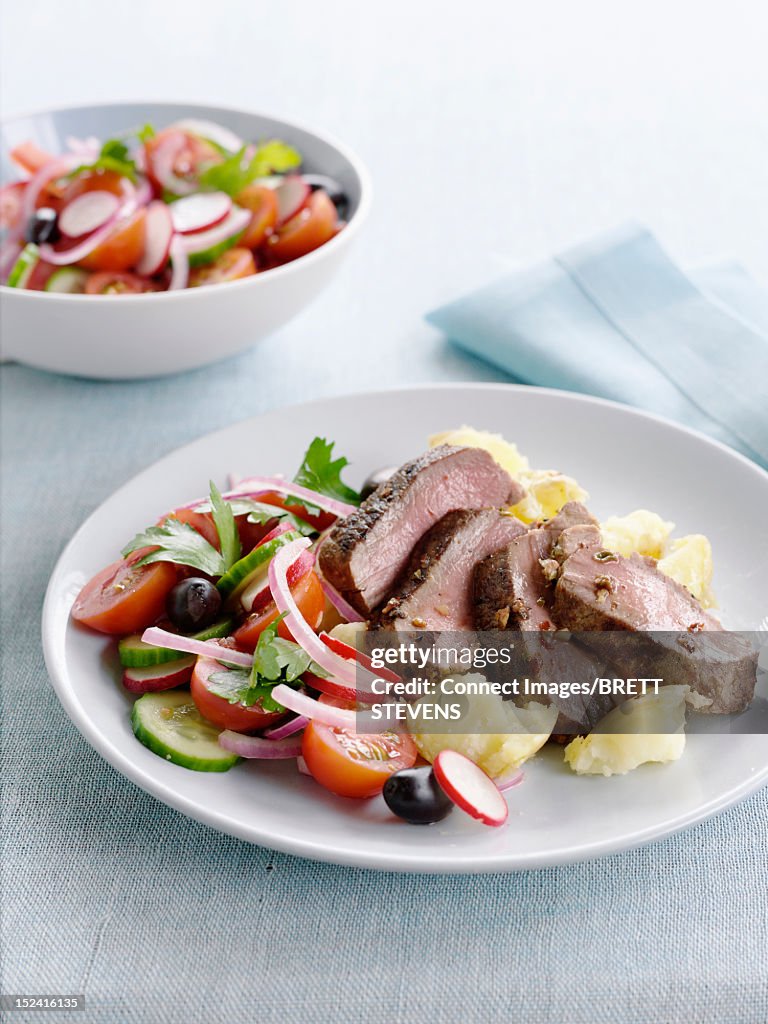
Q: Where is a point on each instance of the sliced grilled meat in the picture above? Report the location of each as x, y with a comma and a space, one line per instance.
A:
675, 638
435, 591
366, 552
573, 513
597, 591
509, 588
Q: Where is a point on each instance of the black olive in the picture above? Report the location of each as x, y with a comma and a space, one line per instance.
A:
375, 480
335, 191
193, 604
414, 794
43, 226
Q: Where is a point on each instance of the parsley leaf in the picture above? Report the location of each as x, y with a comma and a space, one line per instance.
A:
146, 133
239, 170
224, 519
275, 660
177, 542
114, 156
320, 473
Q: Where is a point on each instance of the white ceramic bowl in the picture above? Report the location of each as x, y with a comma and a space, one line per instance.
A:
150, 335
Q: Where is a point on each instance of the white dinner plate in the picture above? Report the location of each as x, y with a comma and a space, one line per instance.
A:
626, 460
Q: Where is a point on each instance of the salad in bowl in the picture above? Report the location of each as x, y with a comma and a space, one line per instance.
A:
155, 209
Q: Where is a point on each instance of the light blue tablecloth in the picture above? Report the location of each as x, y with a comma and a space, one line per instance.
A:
159, 919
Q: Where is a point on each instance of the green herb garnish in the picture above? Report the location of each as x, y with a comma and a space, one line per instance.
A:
275, 660
320, 472
239, 170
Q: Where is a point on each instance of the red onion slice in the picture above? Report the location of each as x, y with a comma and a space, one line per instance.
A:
87, 212
157, 637
55, 169
163, 161
510, 781
157, 239
301, 764
180, 265
281, 732
210, 131
342, 607
300, 629
252, 485
258, 747
294, 700
236, 221
199, 212
88, 149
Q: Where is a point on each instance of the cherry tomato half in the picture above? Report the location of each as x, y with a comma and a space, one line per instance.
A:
321, 521
354, 764
122, 249
262, 202
312, 227
124, 598
111, 283
308, 595
31, 157
230, 266
238, 717
11, 204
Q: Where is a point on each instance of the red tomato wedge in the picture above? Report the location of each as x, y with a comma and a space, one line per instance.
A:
310, 598
124, 598
31, 157
354, 764
237, 717
312, 227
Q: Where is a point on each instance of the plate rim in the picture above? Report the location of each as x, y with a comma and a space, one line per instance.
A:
413, 861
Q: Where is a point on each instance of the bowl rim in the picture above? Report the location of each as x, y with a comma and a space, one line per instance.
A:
339, 240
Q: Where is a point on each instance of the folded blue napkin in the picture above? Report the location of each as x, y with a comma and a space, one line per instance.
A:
615, 317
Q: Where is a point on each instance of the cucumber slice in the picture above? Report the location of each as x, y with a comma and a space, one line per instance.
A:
198, 259
67, 281
236, 579
172, 727
134, 653
21, 271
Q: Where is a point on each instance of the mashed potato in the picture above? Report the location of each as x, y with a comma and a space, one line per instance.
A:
641, 531
606, 752
689, 561
499, 735
504, 452
547, 492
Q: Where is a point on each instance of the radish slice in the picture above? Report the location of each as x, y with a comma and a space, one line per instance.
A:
157, 239
9, 253
258, 747
258, 594
294, 700
352, 653
236, 221
158, 637
200, 211
280, 732
342, 607
62, 258
470, 788
180, 264
212, 132
158, 677
87, 212
292, 195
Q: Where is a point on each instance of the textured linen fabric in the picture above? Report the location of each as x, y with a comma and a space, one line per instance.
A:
616, 317
157, 918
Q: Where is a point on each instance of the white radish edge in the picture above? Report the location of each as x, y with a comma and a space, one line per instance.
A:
199, 212
292, 195
157, 239
470, 788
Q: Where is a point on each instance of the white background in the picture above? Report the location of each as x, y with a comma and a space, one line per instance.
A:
494, 131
